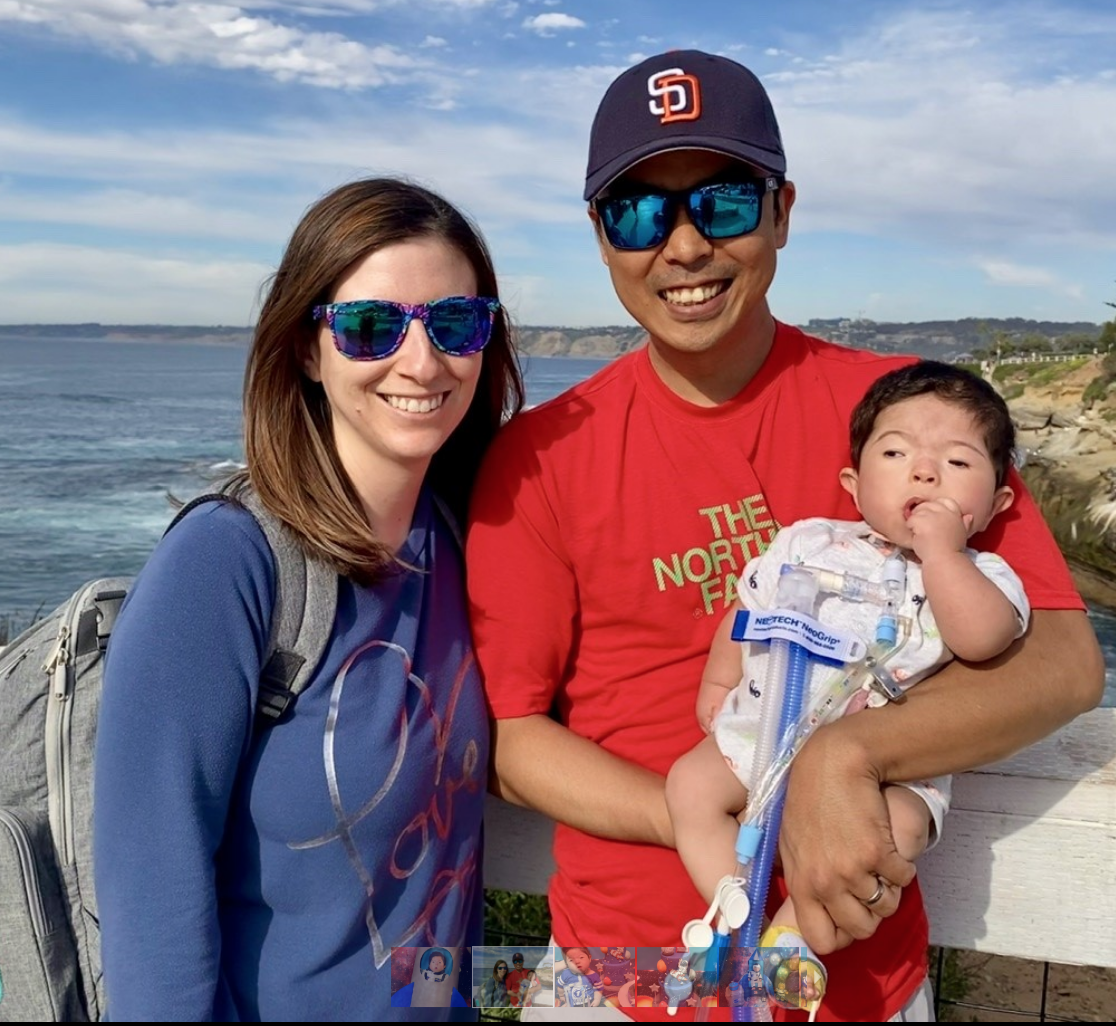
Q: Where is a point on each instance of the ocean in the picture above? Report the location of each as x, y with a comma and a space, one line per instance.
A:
95, 435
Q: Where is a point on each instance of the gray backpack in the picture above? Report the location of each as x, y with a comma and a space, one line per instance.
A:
50, 694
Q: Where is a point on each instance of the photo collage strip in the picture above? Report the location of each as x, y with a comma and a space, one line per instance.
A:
586, 977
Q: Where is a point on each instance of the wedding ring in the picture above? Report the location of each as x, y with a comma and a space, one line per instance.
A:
876, 894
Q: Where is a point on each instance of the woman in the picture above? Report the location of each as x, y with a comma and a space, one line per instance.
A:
494, 992
246, 873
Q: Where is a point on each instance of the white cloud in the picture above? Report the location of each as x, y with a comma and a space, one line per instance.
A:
36, 277
217, 35
545, 24
940, 127
333, 8
1003, 272
144, 155
284, 164
142, 212
957, 133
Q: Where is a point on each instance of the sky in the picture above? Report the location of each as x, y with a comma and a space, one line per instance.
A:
951, 161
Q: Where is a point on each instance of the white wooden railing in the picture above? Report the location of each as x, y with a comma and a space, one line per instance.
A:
1027, 866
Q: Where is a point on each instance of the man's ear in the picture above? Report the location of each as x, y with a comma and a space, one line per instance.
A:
850, 482
602, 243
783, 201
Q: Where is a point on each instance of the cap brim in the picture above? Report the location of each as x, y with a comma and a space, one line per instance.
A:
765, 160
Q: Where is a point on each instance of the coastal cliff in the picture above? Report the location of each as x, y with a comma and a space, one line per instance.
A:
1065, 415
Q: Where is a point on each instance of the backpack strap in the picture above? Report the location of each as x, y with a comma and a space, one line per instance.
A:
95, 624
305, 608
302, 623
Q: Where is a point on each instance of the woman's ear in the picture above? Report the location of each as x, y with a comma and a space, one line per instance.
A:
311, 359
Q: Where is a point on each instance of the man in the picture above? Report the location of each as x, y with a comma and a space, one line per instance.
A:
610, 527
516, 977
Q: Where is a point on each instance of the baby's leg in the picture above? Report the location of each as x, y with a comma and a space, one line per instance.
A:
910, 820
910, 827
704, 797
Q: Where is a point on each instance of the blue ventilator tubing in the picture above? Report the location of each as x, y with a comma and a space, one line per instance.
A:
756, 845
711, 962
786, 725
798, 671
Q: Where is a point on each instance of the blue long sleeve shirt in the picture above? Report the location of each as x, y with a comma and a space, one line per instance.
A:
265, 876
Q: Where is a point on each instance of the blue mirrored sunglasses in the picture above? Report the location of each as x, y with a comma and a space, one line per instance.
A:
642, 220
372, 329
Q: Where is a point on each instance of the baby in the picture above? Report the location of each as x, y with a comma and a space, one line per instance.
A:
931, 448
577, 984
529, 988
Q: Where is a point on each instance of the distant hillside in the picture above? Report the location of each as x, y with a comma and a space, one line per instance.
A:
610, 341
943, 340
91, 332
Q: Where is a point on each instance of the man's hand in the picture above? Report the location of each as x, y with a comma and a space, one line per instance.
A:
836, 833
836, 844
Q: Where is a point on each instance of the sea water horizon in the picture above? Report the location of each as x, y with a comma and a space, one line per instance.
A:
94, 436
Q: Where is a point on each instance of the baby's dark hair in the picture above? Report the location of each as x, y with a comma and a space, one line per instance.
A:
952, 385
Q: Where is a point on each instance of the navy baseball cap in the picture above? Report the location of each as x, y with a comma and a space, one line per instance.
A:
682, 100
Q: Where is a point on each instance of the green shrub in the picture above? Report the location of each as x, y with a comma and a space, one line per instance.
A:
514, 918
1096, 390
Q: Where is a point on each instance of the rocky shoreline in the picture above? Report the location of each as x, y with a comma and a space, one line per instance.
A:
1069, 443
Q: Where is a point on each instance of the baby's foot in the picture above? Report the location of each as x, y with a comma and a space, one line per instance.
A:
796, 979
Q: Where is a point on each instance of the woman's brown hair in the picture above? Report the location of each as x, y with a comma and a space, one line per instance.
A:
292, 461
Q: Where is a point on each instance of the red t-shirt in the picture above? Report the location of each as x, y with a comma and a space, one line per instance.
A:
607, 530
515, 977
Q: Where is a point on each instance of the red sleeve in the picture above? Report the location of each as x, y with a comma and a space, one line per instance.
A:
522, 591
1022, 538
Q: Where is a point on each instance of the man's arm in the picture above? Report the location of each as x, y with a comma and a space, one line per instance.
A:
540, 764
835, 828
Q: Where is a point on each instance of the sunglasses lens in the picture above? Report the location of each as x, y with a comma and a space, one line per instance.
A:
367, 330
726, 211
717, 211
634, 222
460, 325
